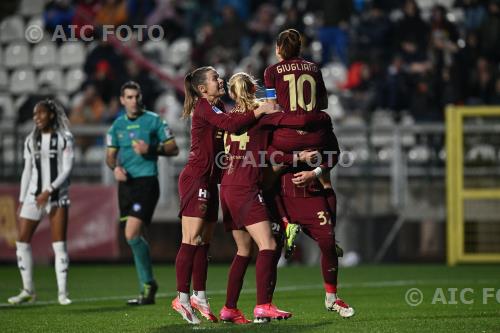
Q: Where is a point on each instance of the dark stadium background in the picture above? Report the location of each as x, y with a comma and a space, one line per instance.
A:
392, 68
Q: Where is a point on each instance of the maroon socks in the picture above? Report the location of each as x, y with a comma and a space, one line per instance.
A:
184, 266
200, 267
235, 280
265, 270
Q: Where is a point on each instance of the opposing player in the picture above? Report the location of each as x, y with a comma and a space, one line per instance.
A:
244, 211
48, 160
198, 181
134, 142
300, 89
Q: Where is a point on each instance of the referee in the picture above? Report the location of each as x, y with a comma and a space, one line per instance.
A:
134, 142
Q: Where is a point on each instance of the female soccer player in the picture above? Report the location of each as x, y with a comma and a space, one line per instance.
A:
244, 211
300, 89
198, 191
48, 159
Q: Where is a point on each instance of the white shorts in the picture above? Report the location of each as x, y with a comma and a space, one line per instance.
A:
30, 211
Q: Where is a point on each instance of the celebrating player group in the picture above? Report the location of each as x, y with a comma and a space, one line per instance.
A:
262, 203
268, 189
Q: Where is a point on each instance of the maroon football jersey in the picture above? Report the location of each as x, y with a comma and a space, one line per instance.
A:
323, 140
205, 124
300, 89
246, 151
299, 85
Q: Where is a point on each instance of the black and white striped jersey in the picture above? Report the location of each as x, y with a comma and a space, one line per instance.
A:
48, 161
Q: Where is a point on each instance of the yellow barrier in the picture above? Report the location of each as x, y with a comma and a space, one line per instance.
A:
456, 193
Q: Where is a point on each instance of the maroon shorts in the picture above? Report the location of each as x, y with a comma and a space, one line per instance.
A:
198, 197
312, 214
241, 206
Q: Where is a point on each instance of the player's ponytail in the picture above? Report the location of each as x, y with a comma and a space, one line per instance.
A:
242, 88
191, 82
289, 43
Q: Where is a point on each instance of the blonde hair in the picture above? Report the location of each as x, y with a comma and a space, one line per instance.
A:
191, 83
242, 88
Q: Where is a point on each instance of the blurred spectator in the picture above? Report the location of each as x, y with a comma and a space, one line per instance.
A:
411, 34
105, 81
489, 32
423, 106
89, 108
444, 37
474, 10
85, 11
481, 83
394, 92
112, 12
105, 52
333, 34
466, 63
150, 89
58, 13
203, 41
261, 24
241, 7
292, 20
140, 9
229, 36
495, 99
362, 88
167, 15
373, 34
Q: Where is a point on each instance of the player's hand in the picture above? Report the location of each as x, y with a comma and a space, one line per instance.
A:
120, 174
303, 178
42, 198
267, 108
140, 147
308, 156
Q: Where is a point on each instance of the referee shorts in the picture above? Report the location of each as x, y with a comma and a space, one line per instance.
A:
138, 197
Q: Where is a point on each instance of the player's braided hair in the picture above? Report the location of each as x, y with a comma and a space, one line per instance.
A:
60, 122
289, 43
242, 88
191, 82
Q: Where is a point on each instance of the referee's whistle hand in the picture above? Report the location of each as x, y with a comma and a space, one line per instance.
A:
140, 147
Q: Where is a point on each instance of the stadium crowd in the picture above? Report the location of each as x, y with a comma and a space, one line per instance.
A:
414, 56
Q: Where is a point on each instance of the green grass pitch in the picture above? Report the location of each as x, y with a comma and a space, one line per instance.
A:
376, 292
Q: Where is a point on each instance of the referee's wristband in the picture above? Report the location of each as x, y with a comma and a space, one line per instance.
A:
318, 171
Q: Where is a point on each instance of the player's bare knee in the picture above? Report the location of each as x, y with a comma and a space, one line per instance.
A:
268, 244
192, 240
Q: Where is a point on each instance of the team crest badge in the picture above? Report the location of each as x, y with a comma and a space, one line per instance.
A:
203, 208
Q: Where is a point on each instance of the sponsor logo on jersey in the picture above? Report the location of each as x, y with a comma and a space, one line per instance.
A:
203, 193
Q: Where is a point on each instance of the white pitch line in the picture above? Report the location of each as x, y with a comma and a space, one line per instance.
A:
374, 284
